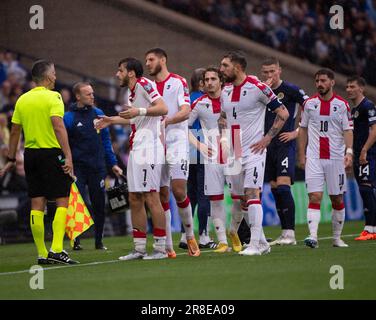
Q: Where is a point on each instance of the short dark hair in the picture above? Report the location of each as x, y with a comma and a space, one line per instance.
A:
39, 69
326, 72
77, 86
158, 52
132, 64
237, 57
359, 80
216, 70
269, 61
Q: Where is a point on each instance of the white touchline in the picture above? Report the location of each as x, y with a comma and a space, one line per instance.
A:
113, 261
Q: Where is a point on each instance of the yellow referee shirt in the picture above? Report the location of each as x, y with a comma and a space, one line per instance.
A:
33, 112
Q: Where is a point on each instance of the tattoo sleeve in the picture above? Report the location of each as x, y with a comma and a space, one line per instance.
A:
278, 124
222, 124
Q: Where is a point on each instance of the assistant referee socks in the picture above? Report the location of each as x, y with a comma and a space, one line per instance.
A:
37, 229
58, 229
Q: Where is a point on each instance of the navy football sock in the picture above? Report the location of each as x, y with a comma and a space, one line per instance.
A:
286, 206
369, 204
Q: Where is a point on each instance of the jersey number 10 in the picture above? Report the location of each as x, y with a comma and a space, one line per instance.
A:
324, 125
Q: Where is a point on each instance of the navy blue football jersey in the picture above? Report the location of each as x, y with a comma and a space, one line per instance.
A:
290, 95
364, 116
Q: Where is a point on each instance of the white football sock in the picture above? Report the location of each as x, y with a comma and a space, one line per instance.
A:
255, 215
338, 220
218, 215
236, 216
313, 219
185, 213
167, 211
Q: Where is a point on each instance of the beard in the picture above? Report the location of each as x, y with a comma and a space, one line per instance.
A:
124, 82
157, 69
322, 91
230, 78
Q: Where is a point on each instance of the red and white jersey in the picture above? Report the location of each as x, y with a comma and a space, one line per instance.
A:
245, 107
326, 122
146, 130
208, 110
175, 93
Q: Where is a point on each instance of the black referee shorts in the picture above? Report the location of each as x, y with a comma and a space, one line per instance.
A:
44, 175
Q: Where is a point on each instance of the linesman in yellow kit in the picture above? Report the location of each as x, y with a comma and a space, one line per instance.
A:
48, 159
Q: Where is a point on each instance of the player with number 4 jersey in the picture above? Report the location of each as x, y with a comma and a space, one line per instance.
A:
244, 101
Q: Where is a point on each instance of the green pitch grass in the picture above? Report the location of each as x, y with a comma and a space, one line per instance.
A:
294, 272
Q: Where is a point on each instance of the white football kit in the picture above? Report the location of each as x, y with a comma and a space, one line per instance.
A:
208, 111
326, 122
146, 154
245, 107
175, 93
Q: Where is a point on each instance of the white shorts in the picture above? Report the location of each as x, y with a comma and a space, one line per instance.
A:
144, 176
251, 175
329, 171
176, 165
254, 167
214, 179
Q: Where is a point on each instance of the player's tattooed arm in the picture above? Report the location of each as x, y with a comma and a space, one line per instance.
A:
222, 123
280, 119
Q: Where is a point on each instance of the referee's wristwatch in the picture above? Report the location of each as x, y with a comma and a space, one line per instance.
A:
11, 159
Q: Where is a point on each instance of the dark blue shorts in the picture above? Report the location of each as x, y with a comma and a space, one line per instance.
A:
365, 173
280, 162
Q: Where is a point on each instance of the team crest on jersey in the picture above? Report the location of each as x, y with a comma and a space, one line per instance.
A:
280, 96
334, 109
207, 105
148, 87
356, 114
244, 93
371, 112
168, 86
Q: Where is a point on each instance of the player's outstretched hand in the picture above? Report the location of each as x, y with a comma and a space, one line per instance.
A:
129, 113
288, 136
102, 122
260, 146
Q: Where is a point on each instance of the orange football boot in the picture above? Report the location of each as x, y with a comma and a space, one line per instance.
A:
193, 249
365, 235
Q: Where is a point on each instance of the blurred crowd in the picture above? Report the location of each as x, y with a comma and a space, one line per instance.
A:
298, 27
